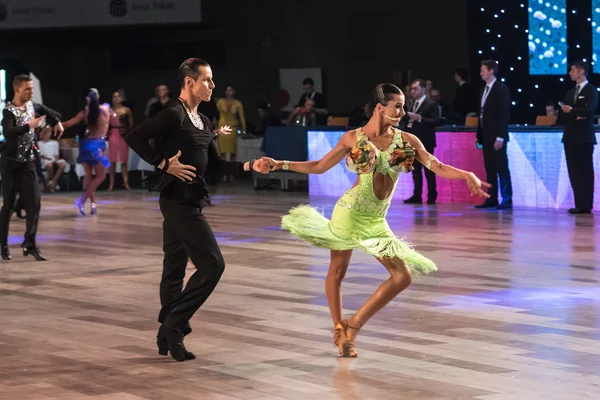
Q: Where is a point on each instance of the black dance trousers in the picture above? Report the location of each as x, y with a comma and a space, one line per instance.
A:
186, 234
496, 168
19, 177
417, 175
580, 164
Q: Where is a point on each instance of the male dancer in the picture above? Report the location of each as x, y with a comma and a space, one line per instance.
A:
184, 146
17, 164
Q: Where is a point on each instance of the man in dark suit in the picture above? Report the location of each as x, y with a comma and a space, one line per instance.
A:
464, 99
320, 105
492, 135
579, 137
422, 118
443, 109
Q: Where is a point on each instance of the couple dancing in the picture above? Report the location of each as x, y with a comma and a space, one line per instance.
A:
184, 144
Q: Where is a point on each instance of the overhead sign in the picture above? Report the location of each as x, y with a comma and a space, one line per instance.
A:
20, 14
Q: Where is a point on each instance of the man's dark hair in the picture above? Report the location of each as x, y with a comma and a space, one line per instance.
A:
463, 73
582, 65
420, 81
190, 68
20, 79
551, 103
308, 81
491, 65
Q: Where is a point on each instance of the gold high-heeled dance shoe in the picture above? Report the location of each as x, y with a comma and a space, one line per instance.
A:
341, 341
339, 337
349, 347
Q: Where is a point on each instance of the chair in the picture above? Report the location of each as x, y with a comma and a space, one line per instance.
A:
339, 121
471, 121
545, 120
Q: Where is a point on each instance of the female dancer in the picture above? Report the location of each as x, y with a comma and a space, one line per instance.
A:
377, 153
231, 113
92, 148
121, 122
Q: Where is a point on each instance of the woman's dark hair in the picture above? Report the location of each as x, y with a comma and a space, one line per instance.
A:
381, 95
93, 109
229, 86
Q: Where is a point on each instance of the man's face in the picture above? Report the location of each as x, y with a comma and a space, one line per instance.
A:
163, 91
417, 91
308, 88
551, 111
575, 73
24, 92
485, 73
203, 86
435, 95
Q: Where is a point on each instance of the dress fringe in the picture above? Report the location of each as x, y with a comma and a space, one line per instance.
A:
310, 225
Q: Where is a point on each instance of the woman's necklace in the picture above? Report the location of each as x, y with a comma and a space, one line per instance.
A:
194, 117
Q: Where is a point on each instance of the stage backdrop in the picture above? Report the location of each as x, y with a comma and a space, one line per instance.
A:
537, 164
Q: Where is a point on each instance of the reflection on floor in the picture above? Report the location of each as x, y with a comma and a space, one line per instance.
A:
512, 314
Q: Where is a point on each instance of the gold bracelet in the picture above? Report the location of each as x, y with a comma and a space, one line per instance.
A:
429, 161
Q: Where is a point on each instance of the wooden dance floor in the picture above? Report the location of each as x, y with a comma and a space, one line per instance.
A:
513, 313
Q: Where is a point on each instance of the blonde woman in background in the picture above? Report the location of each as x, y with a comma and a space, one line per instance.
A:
231, 113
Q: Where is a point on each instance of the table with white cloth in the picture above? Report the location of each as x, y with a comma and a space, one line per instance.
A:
249, 149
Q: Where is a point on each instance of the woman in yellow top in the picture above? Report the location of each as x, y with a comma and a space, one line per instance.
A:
231, 113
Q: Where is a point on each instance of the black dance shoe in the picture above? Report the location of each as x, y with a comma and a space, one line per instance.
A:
578, 211
35, 252
488, 204
5, 253
163, 348
413, 200
174, 343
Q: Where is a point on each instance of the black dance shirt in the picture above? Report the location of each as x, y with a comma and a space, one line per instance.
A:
173, 131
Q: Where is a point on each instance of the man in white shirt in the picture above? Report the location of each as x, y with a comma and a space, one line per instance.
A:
51, 162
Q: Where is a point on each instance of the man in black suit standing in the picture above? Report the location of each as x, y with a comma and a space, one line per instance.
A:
464, 99
579, 137
492, 135
423, 116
